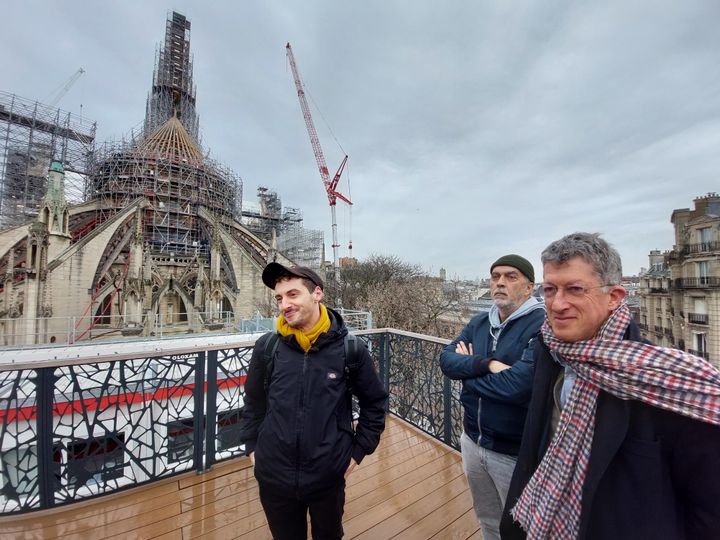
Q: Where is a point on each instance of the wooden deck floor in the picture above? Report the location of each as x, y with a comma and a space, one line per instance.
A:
412, 487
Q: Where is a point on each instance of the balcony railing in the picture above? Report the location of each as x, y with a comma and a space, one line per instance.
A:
658, 329
701, 354
668, 332
658, 290
697, 282
83, 427
702, 247
698, 318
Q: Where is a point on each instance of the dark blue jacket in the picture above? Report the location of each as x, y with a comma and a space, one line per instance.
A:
301, 430
651, 474
495, 404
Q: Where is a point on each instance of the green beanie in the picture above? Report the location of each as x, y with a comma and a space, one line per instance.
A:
516, 261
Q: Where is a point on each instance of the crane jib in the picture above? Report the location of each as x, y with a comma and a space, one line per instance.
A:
329, 185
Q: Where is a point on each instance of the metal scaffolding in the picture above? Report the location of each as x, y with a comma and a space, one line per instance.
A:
267, 215
304, 246
169, 170
173, 91
32, 135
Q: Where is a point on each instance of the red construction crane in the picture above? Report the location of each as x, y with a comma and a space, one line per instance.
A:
330, 185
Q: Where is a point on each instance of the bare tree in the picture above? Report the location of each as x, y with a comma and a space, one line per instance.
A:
398, 294
422, 304
355, 282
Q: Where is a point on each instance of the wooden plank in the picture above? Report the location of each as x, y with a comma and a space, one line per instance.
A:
128, 527
86, 509
192, 515
366, 470
438, 520
214, 489
233, 529
219, 470
403, 488
410, 472
261, 533
210, 523
405, 515
477, 536
83, 525
465, 527
361, 501
174, 535
399, 502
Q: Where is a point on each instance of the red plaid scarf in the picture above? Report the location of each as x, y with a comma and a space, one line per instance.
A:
551, 503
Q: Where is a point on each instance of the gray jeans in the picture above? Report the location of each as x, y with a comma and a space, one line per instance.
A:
488, 475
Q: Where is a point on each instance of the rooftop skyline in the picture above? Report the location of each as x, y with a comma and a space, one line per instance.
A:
473, 130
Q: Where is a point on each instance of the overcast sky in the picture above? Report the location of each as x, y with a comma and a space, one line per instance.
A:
474, 129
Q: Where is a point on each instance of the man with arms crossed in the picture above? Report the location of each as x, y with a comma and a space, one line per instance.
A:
298, 427
493, 358
621, 439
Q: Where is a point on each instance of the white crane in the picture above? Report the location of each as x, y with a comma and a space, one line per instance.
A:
64, 89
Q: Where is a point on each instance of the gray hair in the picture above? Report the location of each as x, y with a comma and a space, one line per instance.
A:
604, 259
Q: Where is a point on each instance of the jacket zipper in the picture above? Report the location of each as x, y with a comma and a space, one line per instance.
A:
299, 425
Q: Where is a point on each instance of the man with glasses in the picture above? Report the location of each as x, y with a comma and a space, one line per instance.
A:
493, 359
621, 439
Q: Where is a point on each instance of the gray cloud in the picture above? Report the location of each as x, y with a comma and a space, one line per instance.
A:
474, 129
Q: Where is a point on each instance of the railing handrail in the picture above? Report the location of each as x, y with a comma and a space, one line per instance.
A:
87, 353
87, 357
426, 337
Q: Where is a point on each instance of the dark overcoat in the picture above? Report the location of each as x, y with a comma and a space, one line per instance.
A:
652, 474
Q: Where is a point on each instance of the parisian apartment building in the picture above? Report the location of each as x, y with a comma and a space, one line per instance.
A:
680, 292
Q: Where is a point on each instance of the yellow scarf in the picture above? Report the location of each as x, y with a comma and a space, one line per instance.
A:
305, 340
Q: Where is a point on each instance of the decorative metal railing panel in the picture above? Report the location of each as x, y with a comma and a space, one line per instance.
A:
227, 369
75, 430
419, 393
18, 438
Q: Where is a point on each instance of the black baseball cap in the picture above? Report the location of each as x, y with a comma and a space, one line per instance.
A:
274, 271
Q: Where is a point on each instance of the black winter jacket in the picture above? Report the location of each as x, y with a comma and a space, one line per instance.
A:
301, 431
495, 404
651, 474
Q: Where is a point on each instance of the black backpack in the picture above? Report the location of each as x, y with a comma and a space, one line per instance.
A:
352, 361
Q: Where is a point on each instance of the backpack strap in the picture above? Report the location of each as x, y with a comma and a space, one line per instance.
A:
271, 346
352, 361
352, 366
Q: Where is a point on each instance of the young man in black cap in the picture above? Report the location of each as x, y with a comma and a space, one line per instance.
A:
493, 359
298, 427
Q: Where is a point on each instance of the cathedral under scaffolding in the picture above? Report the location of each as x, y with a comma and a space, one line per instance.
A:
136, 236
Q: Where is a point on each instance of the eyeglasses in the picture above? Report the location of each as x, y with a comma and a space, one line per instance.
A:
573, 291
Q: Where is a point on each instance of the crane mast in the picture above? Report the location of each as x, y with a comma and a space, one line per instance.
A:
330, 185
